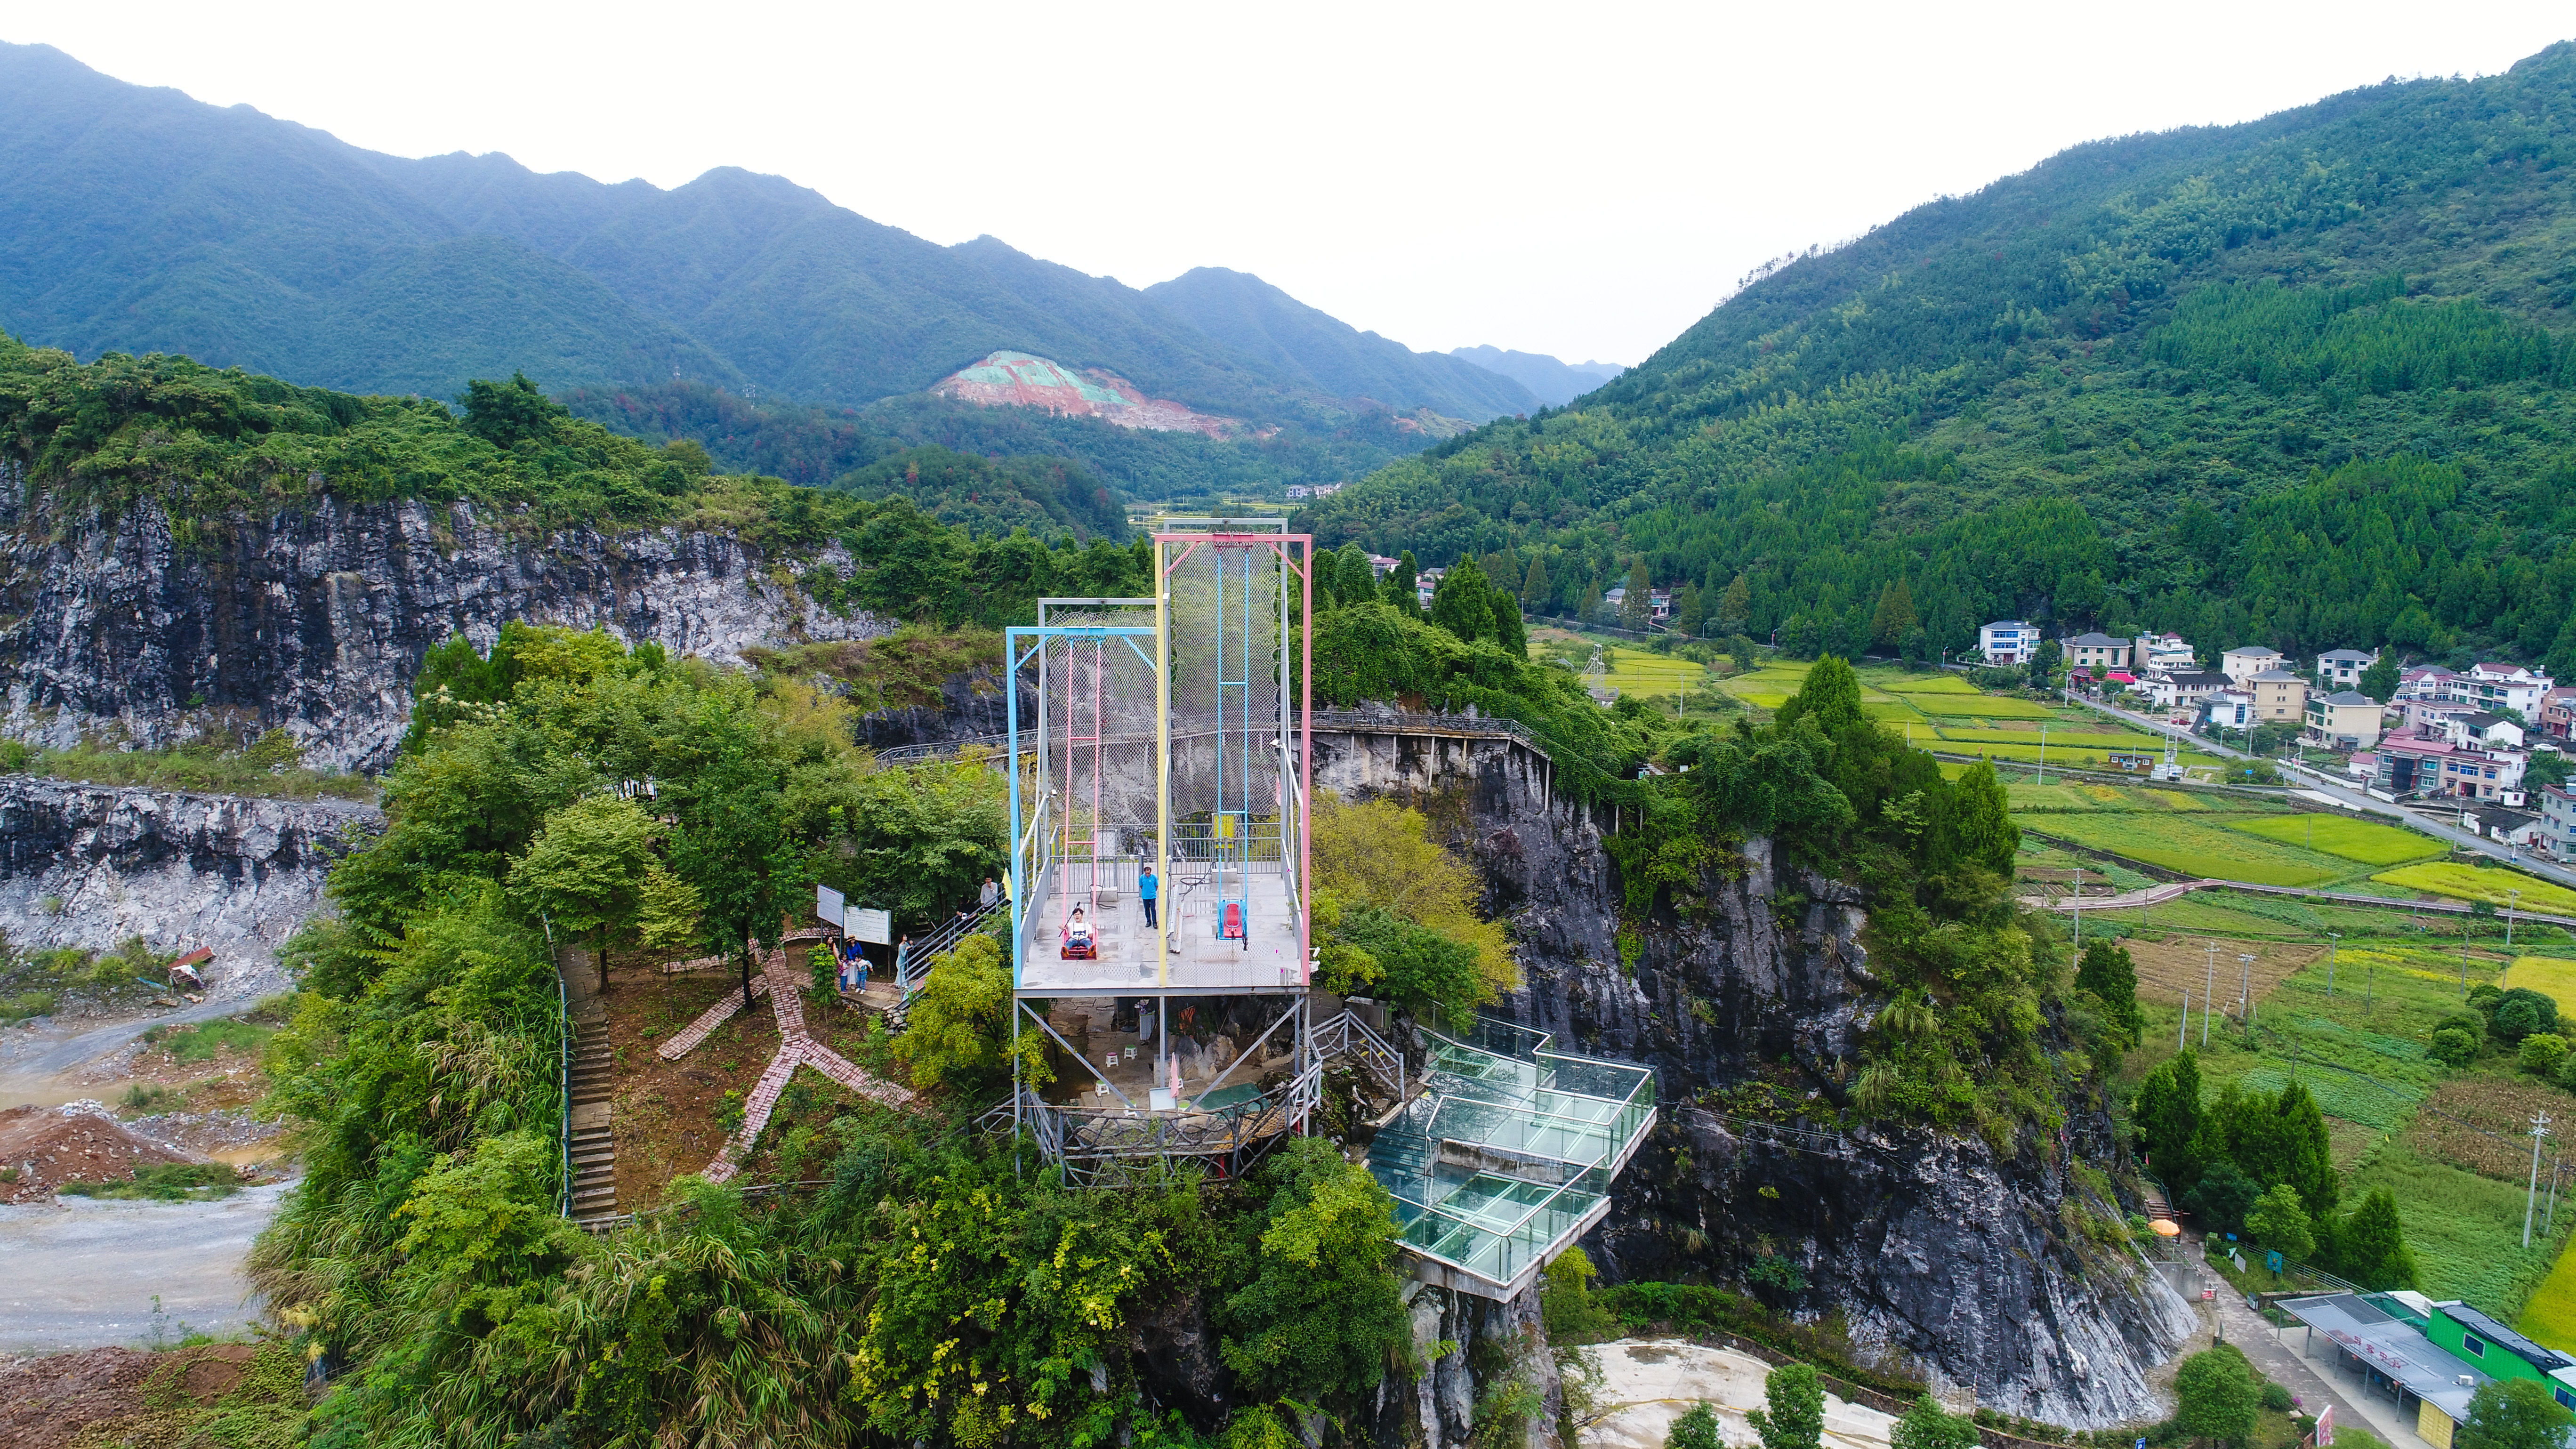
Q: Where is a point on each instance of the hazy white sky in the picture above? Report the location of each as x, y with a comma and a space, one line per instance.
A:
1584, 180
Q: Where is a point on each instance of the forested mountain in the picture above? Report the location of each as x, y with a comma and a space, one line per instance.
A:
1552, 382
138, 220
1258, 320
2303, 382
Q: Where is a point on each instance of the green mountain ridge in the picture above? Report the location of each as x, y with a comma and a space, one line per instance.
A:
2304, 381
140, 220
1257, 319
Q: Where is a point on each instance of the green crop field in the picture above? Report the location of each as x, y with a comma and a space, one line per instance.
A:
2555, 979
2028, 795
2194, 847
1929, 684
2341, 835
2123, 740
2468, 883
1981, 706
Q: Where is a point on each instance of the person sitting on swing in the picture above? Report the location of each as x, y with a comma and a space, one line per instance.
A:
1077, 932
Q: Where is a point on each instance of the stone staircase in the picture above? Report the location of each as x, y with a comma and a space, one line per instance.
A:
594, 1137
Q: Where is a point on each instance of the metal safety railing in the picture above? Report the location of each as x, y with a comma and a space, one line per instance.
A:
912, 963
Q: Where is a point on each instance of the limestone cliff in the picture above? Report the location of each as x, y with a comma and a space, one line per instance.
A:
89, 865
315, 619
1941, 1254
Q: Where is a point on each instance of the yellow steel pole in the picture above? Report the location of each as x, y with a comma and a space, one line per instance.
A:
1163, 763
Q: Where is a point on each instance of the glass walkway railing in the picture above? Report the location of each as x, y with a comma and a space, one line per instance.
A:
1508, 1154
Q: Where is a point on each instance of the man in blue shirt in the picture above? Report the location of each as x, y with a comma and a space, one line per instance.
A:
1146, 887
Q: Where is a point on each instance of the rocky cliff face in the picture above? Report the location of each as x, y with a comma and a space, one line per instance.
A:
1942, 1254
315, 620
90, 865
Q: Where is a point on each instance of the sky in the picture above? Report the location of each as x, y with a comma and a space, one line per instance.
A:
1582, 180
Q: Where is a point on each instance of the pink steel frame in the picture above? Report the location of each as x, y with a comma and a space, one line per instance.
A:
1278, 543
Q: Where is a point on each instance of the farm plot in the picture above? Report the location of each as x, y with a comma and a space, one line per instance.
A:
2469, 883
1930, 684
2358, 840
2195, 847
1981, 706
2166, 969
2114, 740
2555, 979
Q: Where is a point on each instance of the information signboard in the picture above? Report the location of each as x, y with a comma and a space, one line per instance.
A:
874, 927
828, 904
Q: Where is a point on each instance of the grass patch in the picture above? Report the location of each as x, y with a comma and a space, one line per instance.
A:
2360, 840
2465, 1229
166, 1182
2470, 883
2194, 847
1930, 684
2549, 1319
266, 766
206, 1040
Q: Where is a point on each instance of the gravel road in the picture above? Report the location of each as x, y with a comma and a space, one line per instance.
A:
82, 1274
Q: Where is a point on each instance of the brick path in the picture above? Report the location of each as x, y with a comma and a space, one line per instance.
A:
795, 1049
713, 1017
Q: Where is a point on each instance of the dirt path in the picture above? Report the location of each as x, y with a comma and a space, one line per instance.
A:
83, 1274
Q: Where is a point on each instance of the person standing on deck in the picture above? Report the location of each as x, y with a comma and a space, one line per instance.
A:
992, 892
1146, 888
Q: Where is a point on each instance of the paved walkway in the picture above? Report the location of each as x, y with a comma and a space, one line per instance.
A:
796, 1048
2278, 1353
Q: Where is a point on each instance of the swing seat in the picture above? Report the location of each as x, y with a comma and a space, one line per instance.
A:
1230, 923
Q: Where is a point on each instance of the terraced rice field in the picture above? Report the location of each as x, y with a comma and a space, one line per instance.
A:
2358, 840
1980, 706
2469, 883
1930, 684
2555, 979
2192, 846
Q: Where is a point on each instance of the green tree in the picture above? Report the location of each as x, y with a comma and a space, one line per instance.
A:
2108, 971
1928, 1426
1636, 608
2513, 1414
506, 414
2223, 1196
2167, 1113
735, 848
2379, 681
2370, 1245
1976, 828
1690, 612
1735, 606
587, 870
2215, 1396
2280, 1137
2044, 663
958, 1034
2280, 1222
1895, 614
1793, 1416
1354, 582
1323, 1312
1399, 587
1460, 603
1697, 1428
2547, 768
1536, 590
2542, 1054
1565, 1300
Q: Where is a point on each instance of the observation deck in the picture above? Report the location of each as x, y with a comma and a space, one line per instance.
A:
1508, 1155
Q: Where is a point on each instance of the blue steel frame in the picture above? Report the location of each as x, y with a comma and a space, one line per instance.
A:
1017, 657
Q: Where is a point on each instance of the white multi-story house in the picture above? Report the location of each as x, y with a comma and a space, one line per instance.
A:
2342, 668
2008, 641
2484, 731
1300, 490
2163, 652
2425, 681
2502, 686
2228, 709
2433, 718
2243, 663
2183, 688
2558, 821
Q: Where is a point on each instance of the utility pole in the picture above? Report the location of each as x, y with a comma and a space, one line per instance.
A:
2531, 1195
2079, 912
2182, 1028
2465, 919
2245, 987
2334, 942
2208, 989
2043, 754
2512, 898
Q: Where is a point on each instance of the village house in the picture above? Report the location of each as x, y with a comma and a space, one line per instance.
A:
2487, 732
2343, 668
2558, 821
2502, 686
2435, 717
2425, 681
2409, 764
2512, 827
2008, 641
2243, 663
1299, 490
2098, 653
2279, 695
2344, 720
2183, 689
2228, 709
2557, 717
2163, 652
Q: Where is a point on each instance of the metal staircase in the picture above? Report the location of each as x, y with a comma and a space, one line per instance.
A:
1508, 1155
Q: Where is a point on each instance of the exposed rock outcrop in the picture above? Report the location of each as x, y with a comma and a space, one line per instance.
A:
90, 865
315, 619
1941, 1253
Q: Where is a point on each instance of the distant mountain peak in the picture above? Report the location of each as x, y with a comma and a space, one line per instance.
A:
1024, 380
1552, 382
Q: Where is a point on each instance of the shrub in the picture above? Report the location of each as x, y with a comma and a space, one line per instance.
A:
2543, 1053
2522, 1011
2280, 1223
1695, 1429
1793, 1416
2215, 1395
2276, 1398
2453, 1047
1928, 1426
